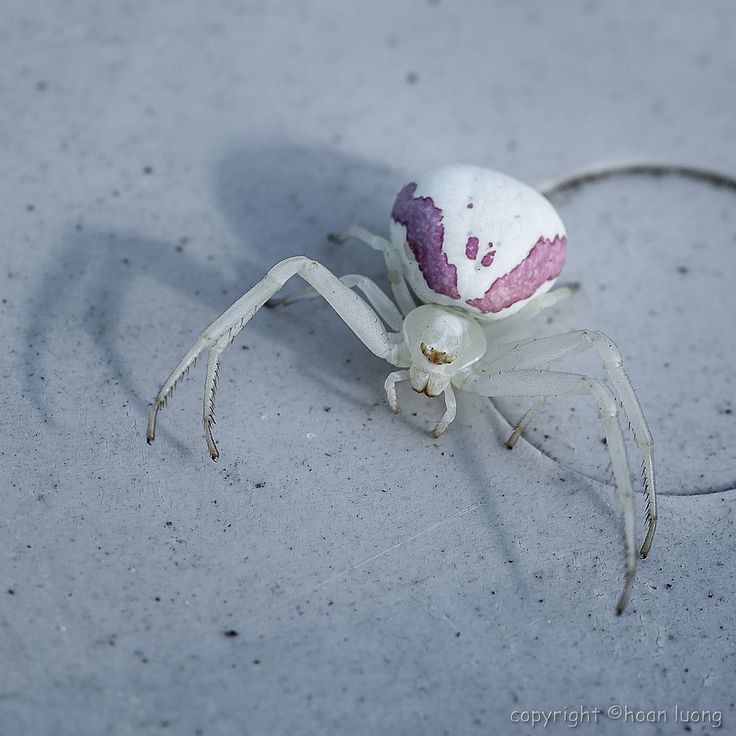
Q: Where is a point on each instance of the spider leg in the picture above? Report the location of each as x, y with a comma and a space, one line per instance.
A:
358, 316
524, 422
538, 383
449, 415
385, 308
538, 352
393, 263
500, 328
390, 386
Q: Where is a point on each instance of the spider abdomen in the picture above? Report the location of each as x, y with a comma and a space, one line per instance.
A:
477, 240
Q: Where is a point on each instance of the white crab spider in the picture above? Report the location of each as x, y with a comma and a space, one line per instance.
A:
481, 251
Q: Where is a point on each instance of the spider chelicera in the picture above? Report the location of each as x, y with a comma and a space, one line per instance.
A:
481, 251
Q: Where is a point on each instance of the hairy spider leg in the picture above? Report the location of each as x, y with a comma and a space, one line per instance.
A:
353, 310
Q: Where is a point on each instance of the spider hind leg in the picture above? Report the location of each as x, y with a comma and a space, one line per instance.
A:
488, 381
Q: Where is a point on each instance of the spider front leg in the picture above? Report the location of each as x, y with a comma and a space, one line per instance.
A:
539, 352
358, 316
538, 383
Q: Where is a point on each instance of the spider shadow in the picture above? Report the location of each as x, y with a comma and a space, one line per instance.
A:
290, 198
101, 267
274, 193
495, 508
471, 462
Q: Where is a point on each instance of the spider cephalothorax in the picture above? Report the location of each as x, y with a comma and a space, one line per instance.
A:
481, 251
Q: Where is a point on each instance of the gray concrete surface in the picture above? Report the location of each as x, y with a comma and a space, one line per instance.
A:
157, 158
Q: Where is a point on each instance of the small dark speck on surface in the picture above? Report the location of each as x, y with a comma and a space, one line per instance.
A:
683, 269
11, 591
148, 169
412, 78
42, 86
260, 484
231, 633
30, 207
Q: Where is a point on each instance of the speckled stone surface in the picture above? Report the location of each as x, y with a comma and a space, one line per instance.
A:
339, 571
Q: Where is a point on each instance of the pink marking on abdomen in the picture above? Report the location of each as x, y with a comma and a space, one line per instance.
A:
425, 235
488, 258
471, 248
544, 262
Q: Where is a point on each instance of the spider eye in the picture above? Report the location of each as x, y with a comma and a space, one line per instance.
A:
436, 357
